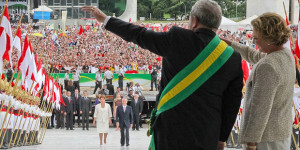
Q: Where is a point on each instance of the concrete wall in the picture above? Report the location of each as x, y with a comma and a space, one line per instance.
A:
258, 7
130, 11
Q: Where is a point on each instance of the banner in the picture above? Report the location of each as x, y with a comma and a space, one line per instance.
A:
88, 79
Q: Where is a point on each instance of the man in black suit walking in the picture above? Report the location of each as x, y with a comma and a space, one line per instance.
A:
184, 120
69, 110
85, 106
137, 109
124, 119
77, 98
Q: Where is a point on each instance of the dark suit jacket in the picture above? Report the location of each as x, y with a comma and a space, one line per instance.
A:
110, 87
77, 101
136, 108
206, 116
70, 107
124, 118
85, 105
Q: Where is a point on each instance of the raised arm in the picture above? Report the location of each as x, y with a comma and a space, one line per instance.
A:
248, 53
156, 42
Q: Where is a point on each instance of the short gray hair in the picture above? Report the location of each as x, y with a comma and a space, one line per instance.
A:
208, 13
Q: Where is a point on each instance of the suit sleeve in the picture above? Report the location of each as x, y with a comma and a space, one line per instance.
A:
64, 106
90, 105
117, 115
157, 42
80, 104
74, 106
131, 116
141, 106
230, 105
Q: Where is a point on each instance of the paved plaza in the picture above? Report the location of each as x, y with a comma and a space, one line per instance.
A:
78, 139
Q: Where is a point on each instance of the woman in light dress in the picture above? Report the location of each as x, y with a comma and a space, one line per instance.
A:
102, 116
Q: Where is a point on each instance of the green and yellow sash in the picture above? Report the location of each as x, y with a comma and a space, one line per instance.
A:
190, 78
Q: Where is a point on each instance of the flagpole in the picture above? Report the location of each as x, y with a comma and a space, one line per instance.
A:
6, 125
19, 112
29, 123
43, 128
23, 116
3, 11
42, 107
34, 130
21, 41
46, 123
24, 123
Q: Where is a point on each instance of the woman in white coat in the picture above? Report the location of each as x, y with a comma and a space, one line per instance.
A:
102, 116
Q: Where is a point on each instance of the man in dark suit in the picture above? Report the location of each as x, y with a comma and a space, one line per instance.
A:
69, 110
204, 119
153, 79
124, 120
85, 106
111, 89
77, 98
137, 109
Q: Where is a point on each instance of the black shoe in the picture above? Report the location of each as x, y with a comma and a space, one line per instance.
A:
127, 144
67, 128
122, 144
87, 128
137, 130
151, 90
83, 129
141, 126
71, 129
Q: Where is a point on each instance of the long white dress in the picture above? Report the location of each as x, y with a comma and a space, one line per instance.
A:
102, 117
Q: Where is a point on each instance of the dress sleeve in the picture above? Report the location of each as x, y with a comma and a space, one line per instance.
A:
248, 53
96, 111
109, 111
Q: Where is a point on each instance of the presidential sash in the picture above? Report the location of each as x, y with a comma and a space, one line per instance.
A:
190, 78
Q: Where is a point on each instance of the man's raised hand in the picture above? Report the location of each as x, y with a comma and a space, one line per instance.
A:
97, 13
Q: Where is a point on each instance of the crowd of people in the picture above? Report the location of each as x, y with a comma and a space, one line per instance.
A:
267, 99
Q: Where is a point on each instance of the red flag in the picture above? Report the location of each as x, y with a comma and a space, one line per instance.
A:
297, 50
129, 20
18, 42
87, 27
165, 28
80, 30
245, 71
6, 24
2, 46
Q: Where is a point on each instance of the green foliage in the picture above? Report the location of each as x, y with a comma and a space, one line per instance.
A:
176, 8
231, 10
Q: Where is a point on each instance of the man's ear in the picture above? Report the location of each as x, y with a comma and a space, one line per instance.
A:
194, 22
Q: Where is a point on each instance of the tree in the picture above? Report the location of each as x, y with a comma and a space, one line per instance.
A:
230, 7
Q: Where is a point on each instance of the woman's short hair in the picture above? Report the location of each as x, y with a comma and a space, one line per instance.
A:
208, 13
102, 96
272, 27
